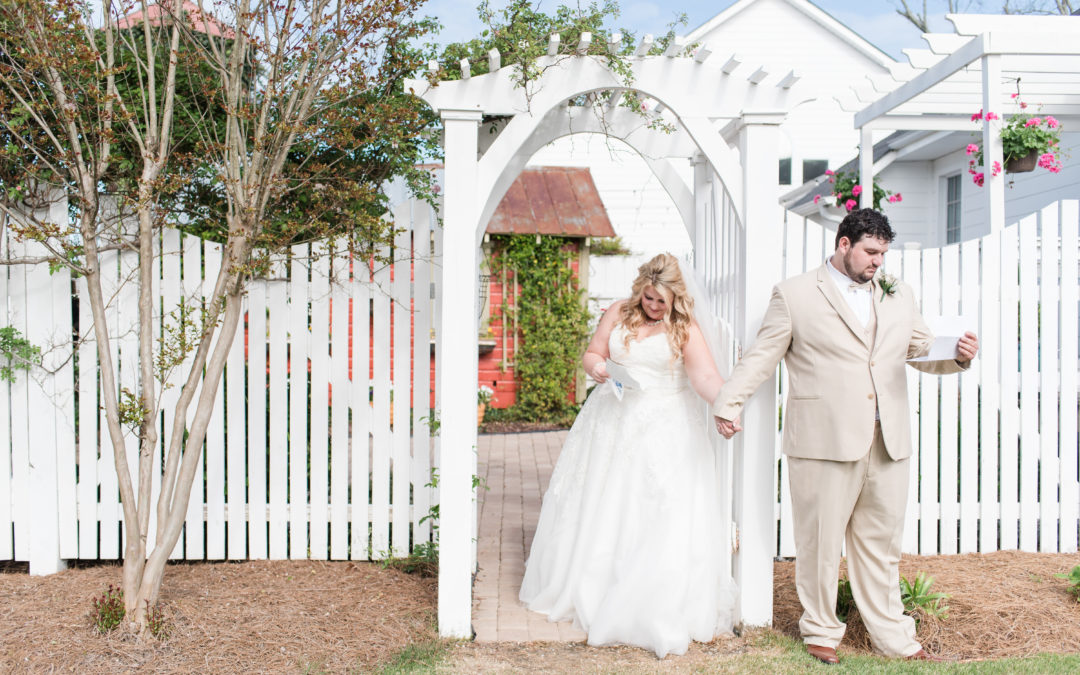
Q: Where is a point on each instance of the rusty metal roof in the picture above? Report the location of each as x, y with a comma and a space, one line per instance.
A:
552, 200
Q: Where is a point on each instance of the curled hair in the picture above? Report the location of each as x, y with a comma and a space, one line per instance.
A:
861, 223
662, 272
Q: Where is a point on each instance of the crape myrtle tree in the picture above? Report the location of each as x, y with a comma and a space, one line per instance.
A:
256, 124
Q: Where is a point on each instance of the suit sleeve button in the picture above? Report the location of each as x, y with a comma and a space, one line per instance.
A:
871, 364
870, 396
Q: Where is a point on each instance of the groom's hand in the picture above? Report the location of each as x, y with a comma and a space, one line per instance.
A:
967, 347
727, 428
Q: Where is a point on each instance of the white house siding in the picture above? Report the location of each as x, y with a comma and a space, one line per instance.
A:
779, 36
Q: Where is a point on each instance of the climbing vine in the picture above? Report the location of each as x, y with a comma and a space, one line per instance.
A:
552, 319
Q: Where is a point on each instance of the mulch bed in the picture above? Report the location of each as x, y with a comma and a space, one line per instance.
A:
1001, 604
500, 427
312, 616
255, 616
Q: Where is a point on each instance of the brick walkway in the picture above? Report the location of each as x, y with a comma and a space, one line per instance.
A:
517, 468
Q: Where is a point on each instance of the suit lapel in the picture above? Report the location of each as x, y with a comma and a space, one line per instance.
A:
832, 295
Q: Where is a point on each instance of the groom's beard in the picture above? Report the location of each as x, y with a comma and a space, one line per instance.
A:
866, 274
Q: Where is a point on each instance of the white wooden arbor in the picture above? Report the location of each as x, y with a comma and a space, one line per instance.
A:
979, 67
725, 117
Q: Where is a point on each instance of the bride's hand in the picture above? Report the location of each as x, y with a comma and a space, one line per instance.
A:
599, 373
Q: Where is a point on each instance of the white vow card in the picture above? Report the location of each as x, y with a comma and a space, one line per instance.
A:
947, 332
620, 378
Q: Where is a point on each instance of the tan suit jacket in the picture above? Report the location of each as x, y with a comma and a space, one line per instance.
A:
838, 372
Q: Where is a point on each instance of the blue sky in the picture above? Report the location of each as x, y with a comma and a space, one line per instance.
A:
875, 20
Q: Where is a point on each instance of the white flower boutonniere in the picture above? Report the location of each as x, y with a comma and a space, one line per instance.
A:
887, 283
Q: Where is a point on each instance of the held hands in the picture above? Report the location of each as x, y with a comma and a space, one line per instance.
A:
967, 347
727, 428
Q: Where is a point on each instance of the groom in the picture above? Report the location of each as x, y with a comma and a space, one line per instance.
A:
845, 338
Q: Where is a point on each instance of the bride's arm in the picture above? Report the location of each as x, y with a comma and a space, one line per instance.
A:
700, 367
597, 352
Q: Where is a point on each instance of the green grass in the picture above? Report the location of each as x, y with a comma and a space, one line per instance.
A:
422, 657
782, 654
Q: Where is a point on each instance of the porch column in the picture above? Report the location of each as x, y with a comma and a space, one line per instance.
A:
457, 363
993, 186
866, 167
757, 447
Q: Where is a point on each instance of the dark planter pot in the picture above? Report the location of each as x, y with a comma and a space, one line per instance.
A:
1023, 164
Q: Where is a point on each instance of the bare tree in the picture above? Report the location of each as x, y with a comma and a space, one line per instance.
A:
290, 117
919, 16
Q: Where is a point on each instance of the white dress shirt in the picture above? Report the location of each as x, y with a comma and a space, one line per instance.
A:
858, 299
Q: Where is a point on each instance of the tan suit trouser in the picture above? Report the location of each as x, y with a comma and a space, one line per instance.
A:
861, 503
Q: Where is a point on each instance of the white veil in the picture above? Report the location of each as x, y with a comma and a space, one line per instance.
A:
712, 328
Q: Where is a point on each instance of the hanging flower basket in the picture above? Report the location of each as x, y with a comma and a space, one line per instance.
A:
846, 191
1027, 141
1023, 164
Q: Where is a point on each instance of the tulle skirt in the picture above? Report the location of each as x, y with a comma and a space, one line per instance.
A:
629, 543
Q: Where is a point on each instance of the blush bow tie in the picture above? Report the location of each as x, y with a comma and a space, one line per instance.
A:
865, 286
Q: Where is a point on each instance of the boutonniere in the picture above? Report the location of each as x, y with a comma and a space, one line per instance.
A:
887, 283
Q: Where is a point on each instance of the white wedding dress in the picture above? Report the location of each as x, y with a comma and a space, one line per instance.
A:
629, 544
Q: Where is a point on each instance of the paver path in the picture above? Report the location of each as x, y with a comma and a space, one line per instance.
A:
516, 468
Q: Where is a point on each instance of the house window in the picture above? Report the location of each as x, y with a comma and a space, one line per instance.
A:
952, 209
812, 168
785, 171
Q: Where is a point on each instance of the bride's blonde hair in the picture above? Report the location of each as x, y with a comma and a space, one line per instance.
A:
662, 272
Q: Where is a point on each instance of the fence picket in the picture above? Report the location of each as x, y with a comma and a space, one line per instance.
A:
930, 531
360, 440
949, 470
1009, 392
421, 449
339, 411
989, 393
194, 539
89, 442
7, 520
1070, 336
402, 318
232, 393
1029, 385
214, 446
299, 345
909, 269
969, 405
320, 402
1049, 373
381, 409
256, 420
109, 506
278, 403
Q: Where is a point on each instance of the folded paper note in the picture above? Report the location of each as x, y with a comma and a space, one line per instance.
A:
620, 379
947, 333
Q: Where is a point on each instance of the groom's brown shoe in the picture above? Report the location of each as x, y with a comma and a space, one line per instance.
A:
923, 655
823, 654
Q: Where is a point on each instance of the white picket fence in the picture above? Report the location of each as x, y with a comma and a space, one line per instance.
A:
997, 448
319, 443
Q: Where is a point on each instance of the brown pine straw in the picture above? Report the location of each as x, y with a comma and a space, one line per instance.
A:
257, 616
1001, 604
345, 617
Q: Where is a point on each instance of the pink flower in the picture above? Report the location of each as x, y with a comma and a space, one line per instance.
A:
817, 198
856, 191
1052, 122
850, 204
972, 149
828, 172
1054, 169
979, 178
992, 116
1049, 161
1014, 95
977, 116
997, 168
1023, 105
1033, 122
895, 198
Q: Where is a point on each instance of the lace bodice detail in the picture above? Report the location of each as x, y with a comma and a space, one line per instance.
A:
649, 360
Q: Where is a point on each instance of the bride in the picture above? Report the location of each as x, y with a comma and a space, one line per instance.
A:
628, 542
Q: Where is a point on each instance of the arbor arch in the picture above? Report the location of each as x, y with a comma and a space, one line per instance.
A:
722, 116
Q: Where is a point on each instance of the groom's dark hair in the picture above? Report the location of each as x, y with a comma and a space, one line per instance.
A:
861, 223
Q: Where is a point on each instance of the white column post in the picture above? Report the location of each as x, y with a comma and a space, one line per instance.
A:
755, 452
457, 363
993, 186
866, 167
702, 197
